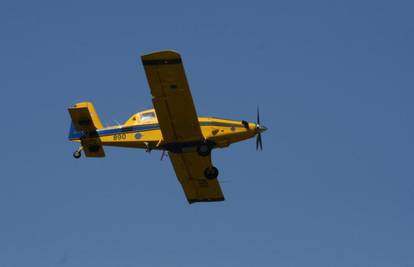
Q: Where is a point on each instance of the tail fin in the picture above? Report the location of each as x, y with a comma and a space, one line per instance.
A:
84, 117
85, 122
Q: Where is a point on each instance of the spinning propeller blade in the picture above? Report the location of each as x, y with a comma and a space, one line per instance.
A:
259, 130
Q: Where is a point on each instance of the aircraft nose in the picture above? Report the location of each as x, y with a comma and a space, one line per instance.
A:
263, 128
260, 128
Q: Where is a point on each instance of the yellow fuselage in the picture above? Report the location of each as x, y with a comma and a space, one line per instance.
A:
136, 133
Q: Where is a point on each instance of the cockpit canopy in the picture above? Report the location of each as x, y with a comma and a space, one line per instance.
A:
144, 117
147, 116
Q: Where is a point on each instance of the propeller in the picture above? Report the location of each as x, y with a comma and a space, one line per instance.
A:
259, 129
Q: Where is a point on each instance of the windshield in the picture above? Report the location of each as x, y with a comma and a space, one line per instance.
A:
148, 116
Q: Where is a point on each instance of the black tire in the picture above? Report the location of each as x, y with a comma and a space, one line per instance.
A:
204, 150
77, 154
211, 173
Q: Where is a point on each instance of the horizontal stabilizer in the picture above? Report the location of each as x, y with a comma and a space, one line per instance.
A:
93, 147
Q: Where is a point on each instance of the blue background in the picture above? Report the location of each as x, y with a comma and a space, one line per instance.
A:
333, 187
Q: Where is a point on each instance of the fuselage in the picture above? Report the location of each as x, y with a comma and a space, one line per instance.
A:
142, 130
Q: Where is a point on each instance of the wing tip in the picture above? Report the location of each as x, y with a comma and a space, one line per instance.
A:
191, 201
161, 54
161, 58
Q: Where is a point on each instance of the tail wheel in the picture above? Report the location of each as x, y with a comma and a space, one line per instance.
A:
211, 173
204, 150
77, 154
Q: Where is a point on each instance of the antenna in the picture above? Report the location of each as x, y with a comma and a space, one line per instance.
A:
117, 123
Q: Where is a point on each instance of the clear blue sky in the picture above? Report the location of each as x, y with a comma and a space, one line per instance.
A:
334, 185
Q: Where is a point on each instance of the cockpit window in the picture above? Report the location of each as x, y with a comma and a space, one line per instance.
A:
148, 116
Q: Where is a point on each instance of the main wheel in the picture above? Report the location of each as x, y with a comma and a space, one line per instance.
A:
203, 150
211, 173
77, 154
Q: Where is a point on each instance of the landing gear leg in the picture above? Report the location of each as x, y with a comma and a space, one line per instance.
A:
77, 154
147, 147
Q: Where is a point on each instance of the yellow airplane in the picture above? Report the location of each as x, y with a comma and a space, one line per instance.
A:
172, 126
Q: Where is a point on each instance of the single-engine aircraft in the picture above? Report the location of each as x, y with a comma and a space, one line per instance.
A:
172, 126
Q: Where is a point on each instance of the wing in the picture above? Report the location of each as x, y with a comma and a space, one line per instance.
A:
171, 97
189, 168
